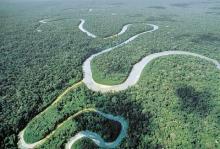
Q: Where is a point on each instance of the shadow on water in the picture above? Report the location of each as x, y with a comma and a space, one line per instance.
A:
192, 101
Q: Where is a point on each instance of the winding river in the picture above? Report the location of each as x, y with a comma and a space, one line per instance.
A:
135, 73
123, 30
84, 30
97, 139
131, 80
42, 22
82, 22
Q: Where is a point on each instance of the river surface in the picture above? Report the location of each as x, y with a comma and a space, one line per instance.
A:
131, 80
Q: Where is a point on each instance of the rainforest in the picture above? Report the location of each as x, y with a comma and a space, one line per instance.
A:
122, 74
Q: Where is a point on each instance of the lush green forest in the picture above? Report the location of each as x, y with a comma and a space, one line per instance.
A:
175, 104
113, 67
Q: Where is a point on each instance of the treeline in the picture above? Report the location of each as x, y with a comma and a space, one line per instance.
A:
166, 109
37, 67
113, 67
120, 104
103, 27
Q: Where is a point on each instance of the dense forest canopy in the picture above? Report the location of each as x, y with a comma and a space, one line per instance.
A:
174, 104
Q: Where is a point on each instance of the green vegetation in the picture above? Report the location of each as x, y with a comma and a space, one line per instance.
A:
174, 105
113, 67
121, 70
109, 130
83, 143
184, 107
37, 67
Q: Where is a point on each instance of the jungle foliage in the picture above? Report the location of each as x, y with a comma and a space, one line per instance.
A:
175, 108
175, 104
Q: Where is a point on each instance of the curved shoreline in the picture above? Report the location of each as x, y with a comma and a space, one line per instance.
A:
22, 143
82, 22
88, 79
43, 21
135, 73
123, 30
81, 27
97, 139
131, 80
83, 134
